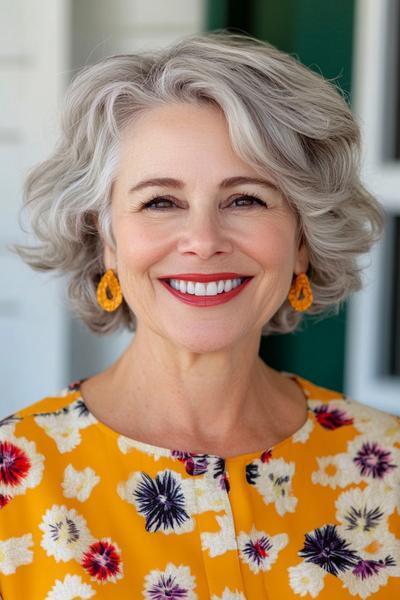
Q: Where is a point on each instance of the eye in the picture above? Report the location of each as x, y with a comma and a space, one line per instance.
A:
250, 201
249, 198
157, 200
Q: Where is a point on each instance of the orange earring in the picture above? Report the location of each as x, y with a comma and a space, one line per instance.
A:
109, 294
300, 286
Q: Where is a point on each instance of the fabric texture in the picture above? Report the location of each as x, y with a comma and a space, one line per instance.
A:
89, 513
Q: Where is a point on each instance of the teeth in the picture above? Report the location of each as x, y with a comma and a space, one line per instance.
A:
205, 289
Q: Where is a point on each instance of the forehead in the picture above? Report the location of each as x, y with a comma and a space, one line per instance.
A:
180, 133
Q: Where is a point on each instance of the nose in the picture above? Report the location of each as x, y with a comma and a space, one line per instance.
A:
204, 236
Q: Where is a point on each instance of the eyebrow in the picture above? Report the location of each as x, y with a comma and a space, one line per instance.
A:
225, 183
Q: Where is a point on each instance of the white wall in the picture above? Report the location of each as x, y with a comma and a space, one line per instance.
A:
42, 44
375, 77
32, 78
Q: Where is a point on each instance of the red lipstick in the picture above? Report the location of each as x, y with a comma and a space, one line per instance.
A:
204, 277
204, 301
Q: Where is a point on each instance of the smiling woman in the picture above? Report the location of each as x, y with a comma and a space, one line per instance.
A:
202, 195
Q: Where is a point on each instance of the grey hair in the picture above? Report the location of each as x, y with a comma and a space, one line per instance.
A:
283, 119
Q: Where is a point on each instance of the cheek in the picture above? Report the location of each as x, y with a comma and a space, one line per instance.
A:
272, 246
139, 247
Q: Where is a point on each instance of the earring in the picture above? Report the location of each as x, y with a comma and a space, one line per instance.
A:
109, 283
300, 286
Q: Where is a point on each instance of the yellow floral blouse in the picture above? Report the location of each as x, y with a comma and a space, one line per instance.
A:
89, 513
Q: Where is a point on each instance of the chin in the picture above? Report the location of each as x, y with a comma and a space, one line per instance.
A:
202, 339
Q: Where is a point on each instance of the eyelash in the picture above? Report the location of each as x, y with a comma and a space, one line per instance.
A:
147, 206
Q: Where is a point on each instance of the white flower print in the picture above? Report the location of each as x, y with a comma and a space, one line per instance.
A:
335, 471
166, 501
208, 494
64, 425
15, 552
332, 414
376, 423
379, 558
173, 582
65, 533
21, 466
63, 428
126, 445
368, 577
219, 542
275, 484
71, 588
7, 427
365, 460
259, 550
79, 484
377, 547
303, 434
363, 513
370, 460
306, 578
228, 595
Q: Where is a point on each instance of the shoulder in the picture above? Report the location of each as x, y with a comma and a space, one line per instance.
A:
334, 409
51, 404
47, 416
36, 436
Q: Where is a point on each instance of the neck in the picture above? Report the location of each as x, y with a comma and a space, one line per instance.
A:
195, 395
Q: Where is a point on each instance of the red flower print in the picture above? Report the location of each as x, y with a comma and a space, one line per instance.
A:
332, 418
102, 561
14, 464
258, 550
195, 464
4, 500
266, 456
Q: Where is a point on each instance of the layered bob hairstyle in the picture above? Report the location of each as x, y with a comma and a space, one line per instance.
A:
284, 120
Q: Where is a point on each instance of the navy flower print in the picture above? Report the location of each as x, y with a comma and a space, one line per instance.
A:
373, 460
162, 501
325, 548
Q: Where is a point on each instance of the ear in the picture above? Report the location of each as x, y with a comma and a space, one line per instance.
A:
302, 261
109, 257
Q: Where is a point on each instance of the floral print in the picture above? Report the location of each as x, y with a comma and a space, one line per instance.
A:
86, 512
161, 500
71, 588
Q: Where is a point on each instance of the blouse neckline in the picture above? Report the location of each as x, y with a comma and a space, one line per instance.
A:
176, 452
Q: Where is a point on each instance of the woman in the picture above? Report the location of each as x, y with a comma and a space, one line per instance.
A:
201, 195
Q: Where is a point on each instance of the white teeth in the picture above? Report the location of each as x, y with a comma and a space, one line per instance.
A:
212, 289
190, 287
204, 289
228, 285
200, 289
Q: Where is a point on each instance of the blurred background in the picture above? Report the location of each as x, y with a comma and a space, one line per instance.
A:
43, 44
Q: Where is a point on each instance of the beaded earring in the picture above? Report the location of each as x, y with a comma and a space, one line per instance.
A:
301, 285
109, 294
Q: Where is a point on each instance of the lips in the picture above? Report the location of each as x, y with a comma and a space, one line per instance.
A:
206, 301
205, 277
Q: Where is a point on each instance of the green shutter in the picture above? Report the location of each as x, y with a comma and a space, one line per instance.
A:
320, 34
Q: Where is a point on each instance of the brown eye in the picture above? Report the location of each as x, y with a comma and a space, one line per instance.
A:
250, 200
244, 200
155, 203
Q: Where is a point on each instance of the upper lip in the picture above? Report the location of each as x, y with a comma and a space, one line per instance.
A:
204, 277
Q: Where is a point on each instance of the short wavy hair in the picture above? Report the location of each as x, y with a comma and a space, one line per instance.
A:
283, 119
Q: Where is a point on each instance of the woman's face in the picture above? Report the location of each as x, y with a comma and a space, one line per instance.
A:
198, 226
